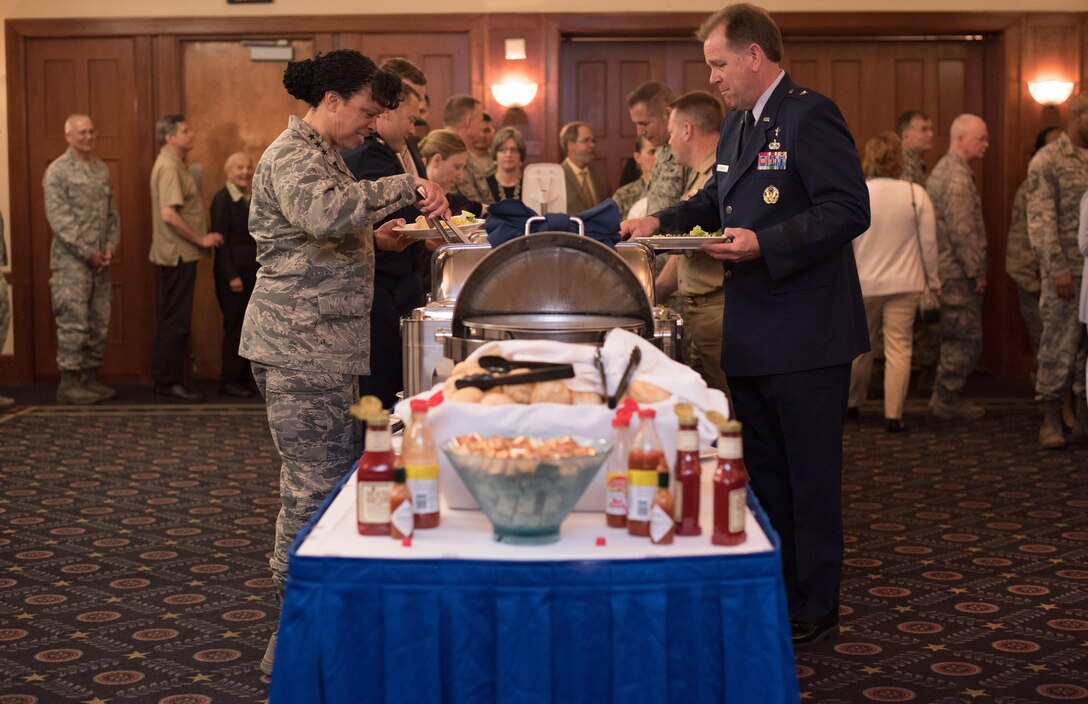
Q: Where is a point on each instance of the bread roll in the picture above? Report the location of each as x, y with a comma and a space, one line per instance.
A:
586, 398
521, 393
467, 368
469, 394
551, 392
645, 392
496, 399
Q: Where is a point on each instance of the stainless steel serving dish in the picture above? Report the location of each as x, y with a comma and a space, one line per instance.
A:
551, 285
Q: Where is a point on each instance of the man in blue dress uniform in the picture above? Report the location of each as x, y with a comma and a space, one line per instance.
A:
789, 190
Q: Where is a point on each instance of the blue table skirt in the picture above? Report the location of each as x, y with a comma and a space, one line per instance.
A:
679, 630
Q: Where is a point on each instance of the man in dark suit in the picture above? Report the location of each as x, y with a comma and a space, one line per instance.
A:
789, 191
586, 185
398, 287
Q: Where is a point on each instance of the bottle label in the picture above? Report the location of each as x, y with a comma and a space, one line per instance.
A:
687, 441
738, 503
678, 492
616, 501
660, 523
378, 439
402, 519
729, 447
373, 504
423, 483
641, 487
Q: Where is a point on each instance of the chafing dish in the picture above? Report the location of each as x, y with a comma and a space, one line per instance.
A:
550, 285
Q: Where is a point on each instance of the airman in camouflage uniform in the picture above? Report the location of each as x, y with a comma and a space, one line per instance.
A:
1023, 268
307, 326
5, 306
465, 115
86, 231
1057, 178
667, 181
961, 242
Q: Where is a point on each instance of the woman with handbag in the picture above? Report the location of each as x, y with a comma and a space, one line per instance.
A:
897, 265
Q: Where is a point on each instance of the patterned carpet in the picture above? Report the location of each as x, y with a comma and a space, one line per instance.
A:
133, 559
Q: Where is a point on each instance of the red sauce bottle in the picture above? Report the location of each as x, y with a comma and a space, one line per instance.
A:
645, 460
730, 487
615, 474
688, 471
374, 478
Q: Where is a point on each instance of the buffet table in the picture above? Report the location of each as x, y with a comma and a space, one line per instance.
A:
456, 617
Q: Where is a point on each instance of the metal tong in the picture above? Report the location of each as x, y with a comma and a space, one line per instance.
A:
448, 233
484, 382
632, 364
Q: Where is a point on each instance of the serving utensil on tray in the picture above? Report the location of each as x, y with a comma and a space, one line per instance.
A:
632, 364
489, 381
496, 364
598, 362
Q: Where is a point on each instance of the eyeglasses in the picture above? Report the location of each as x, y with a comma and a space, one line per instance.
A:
507, 150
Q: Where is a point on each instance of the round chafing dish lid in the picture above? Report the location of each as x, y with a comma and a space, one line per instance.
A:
553, 273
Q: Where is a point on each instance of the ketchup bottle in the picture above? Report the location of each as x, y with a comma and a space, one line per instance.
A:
615, 475
686, 487
421, 466
730, 487
374, 478
645, 460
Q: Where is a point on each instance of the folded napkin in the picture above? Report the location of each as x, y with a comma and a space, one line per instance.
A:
506, 220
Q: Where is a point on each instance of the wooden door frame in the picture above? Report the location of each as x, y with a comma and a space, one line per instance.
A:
158, 44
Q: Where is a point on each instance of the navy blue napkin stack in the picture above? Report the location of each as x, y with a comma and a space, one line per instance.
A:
506, 220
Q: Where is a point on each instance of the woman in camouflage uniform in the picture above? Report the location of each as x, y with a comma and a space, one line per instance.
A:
306, 329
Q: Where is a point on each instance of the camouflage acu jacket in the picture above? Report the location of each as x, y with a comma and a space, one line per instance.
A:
667, 181
310, 309
80, 208
1020, 261
1057, 178
961, 234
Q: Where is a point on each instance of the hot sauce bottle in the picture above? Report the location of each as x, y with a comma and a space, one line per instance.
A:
688, 470
730, 485
662, 525
401, 515
374, 478
421, 466
645, 460
615, 475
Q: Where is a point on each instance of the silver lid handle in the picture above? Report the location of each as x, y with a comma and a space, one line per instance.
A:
536, 218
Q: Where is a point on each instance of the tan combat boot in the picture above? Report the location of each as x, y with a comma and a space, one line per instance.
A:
91, 383
73, 392
1051, 436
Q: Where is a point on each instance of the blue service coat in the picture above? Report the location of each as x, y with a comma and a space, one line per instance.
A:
798, 185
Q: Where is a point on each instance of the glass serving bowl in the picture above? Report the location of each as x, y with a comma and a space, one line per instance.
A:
525, 499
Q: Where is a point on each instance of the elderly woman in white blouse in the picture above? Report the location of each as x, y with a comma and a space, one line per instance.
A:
897, 257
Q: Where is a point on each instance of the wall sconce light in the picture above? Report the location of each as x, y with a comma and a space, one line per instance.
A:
1050, 92
511, 94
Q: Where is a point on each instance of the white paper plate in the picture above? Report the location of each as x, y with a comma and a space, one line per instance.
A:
431, 233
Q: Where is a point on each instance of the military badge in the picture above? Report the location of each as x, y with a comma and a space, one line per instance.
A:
770, 195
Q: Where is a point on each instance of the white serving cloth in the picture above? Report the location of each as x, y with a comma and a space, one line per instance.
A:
449, 420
